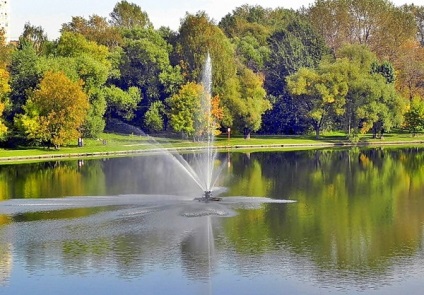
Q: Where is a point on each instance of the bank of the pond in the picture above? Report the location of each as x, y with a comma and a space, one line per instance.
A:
120, 145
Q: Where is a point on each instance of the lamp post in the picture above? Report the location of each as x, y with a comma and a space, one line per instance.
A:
229, 133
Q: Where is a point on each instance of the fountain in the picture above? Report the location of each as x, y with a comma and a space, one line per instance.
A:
202, 170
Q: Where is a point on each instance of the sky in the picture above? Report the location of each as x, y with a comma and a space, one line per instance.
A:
51, 14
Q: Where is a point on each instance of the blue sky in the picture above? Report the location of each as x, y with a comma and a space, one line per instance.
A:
51, 14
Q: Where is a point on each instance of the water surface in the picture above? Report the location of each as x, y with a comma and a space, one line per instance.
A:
130, 225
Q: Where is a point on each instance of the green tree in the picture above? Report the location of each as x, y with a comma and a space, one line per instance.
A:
4, 92
145, 64
249, 104
95, 28
372, 102
321, 92
121, 103
154, 118
183, 106
414, 117
198, 36
249, 27
82, 59
129, 16
24, 77
36, 37
55, 112
292, 47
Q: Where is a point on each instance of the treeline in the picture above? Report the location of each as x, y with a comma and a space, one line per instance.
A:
352, 65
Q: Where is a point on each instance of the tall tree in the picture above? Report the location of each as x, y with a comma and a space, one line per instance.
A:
183, 107
55, 112
95, 28
293, 47
414, 117
36, 37
321, 92
198, 35
129, 16
145, 64
24, 77
82, 59
372, 101
410, 66
374, 23
4, 92
250, 103
249, 27
418, 13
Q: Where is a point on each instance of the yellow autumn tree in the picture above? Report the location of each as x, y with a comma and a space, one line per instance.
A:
55, 111
4, 91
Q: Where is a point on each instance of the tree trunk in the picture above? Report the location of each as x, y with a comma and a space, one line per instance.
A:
246, 133
316, 133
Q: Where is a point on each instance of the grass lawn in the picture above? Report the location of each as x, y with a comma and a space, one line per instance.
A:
116, 144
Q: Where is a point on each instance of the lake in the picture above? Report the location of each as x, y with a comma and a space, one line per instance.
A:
336, 221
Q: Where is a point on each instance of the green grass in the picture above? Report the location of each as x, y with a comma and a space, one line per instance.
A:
114, 144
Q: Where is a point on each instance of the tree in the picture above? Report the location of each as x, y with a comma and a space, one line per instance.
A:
55, 111
34, 36
95, 28
183, 107
4, 92
198, 36
250, 104
121, 103
24, 77
374, 23
187, 111
418, 13
322, 92
414, 117
372, 101
81, 59
410, 66
129, 16
154, 118
331, 20
293, 47
145, 64
249, 27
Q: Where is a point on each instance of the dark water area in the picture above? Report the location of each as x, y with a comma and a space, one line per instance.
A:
346, 221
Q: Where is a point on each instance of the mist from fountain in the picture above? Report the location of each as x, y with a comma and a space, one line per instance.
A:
201, 169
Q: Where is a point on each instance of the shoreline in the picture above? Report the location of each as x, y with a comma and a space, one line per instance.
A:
238, 147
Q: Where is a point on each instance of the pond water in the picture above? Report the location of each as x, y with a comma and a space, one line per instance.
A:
347, 221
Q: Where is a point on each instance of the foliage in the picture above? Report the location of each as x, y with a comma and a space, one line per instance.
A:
4, 92
193, 113
55, 112
153, 119
249, 104
322, 92
197, 37
129, 15
374, 23
414, 117
183, 106
35, 37
95, 121
121, 103
145, 64
24, 77
96, 29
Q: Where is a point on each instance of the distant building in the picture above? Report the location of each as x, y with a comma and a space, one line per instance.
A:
4, 18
